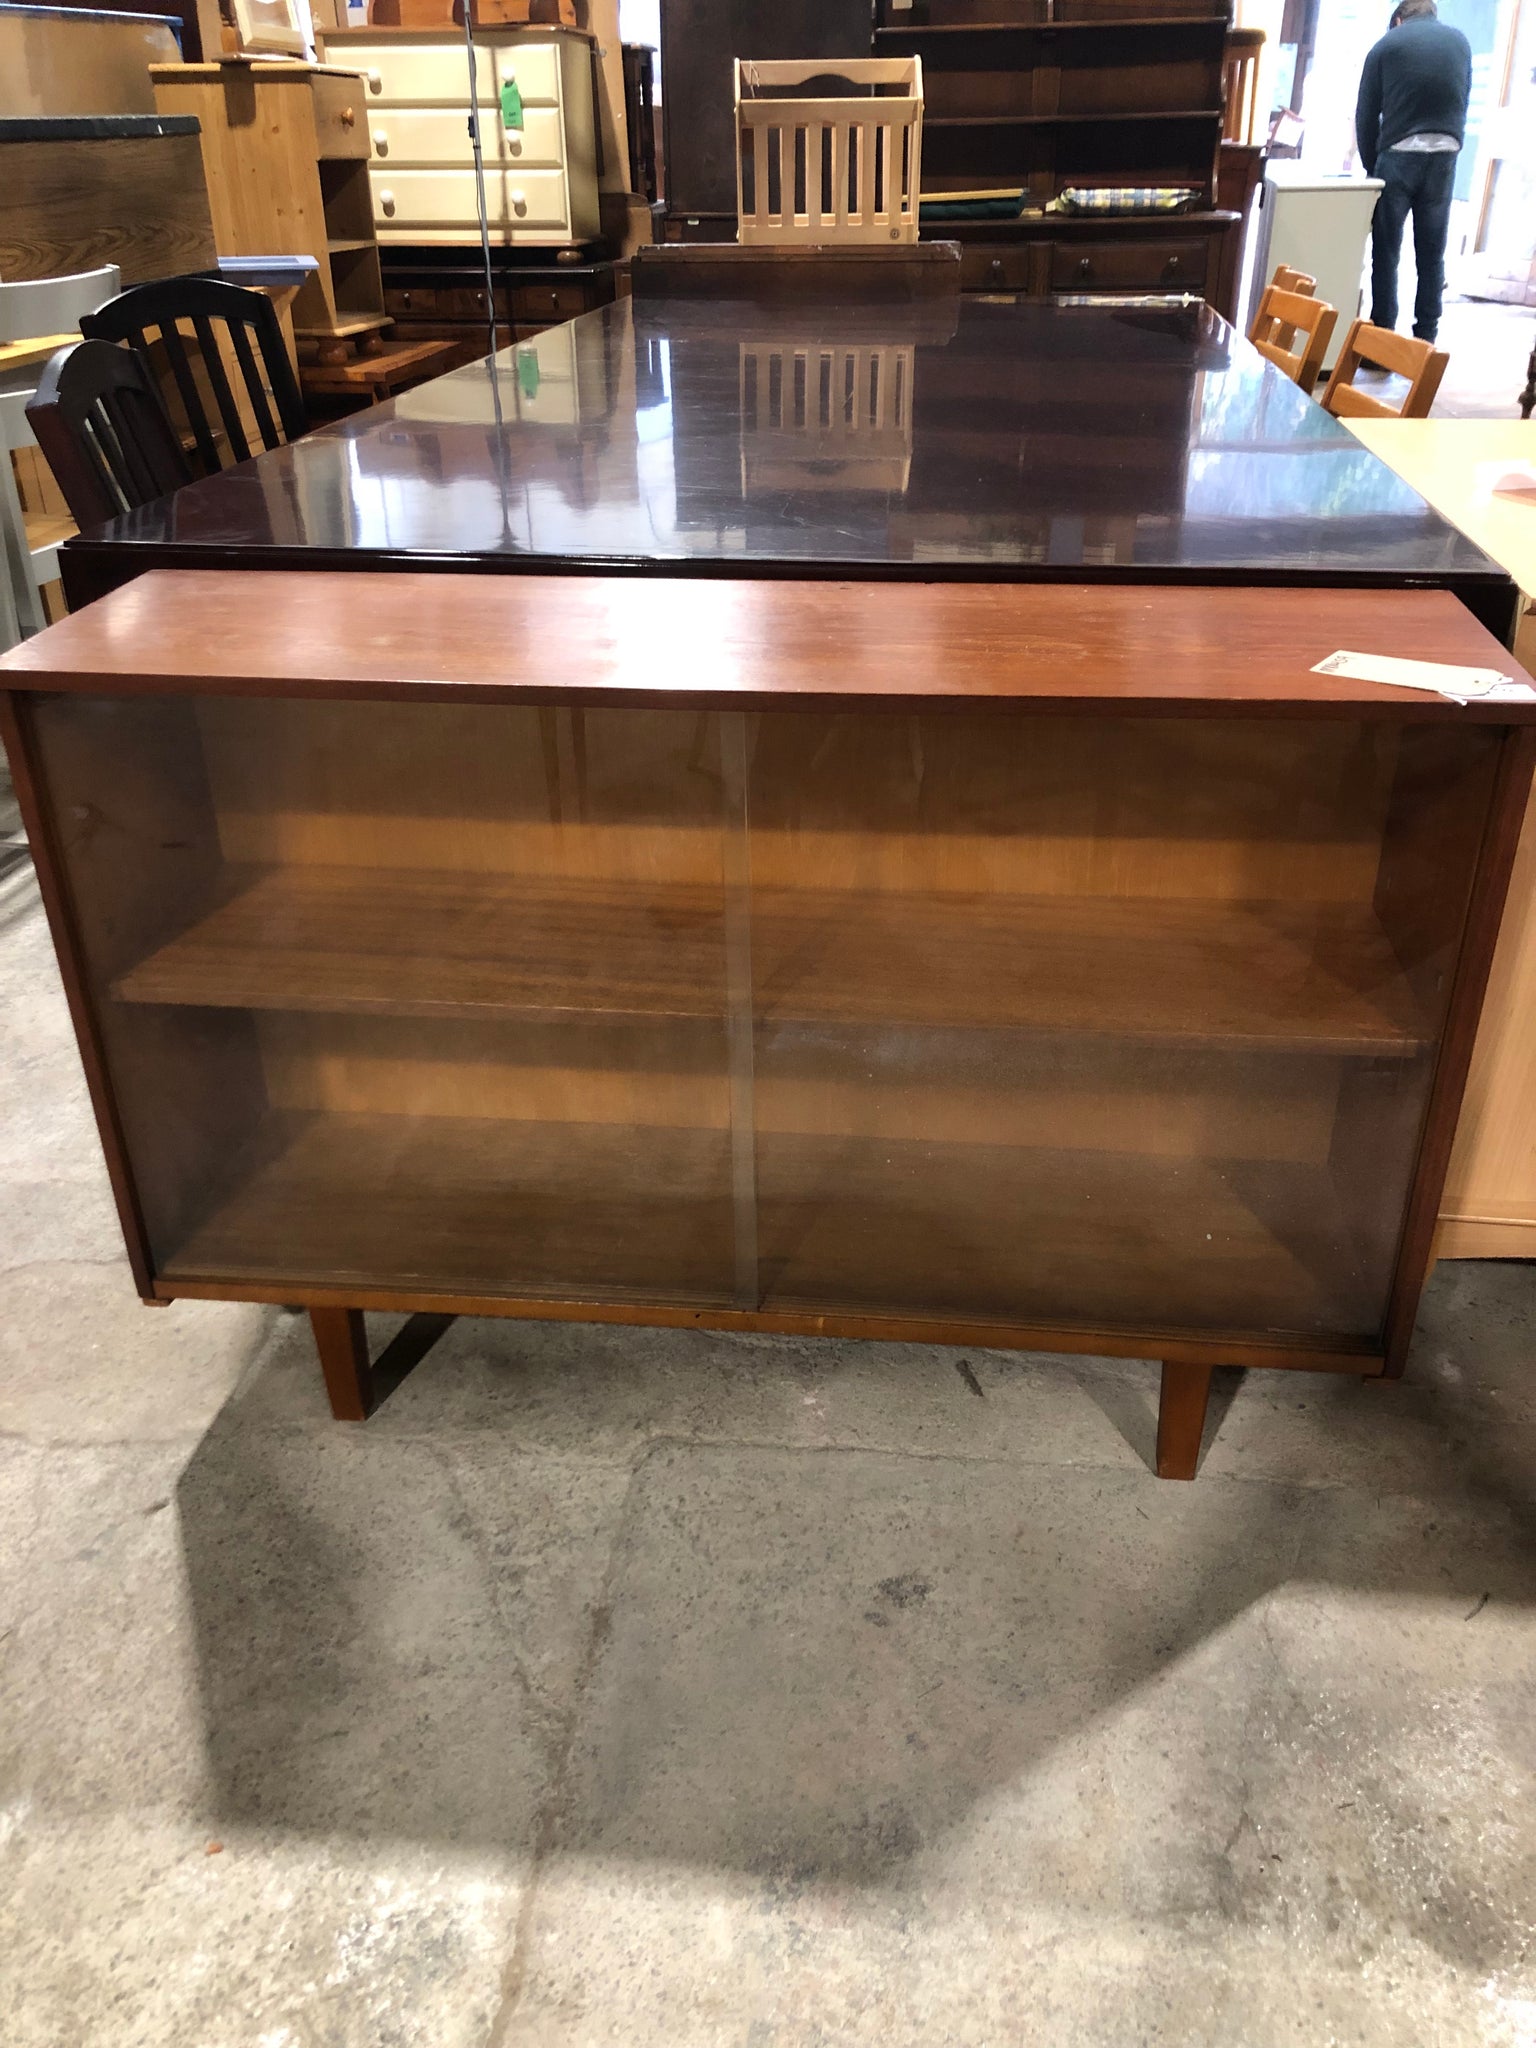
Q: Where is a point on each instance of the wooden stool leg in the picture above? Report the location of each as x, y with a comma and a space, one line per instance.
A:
342, 1344
1181, 1419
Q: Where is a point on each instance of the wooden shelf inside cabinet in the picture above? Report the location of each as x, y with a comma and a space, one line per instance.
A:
475, 1203
963, 35
594, 1211
1097, 120
1294, 976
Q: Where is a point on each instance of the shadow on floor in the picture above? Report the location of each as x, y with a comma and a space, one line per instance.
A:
572, 1608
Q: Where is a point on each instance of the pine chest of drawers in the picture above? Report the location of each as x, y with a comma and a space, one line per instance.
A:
540, 164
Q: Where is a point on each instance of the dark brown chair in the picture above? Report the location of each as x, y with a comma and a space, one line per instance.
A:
232, 329
104, 431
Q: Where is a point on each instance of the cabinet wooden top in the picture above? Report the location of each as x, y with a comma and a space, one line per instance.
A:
756, 643
498, 32
280, 71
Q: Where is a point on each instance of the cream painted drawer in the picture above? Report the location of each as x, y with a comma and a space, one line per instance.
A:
435, 74
514, 198
536, 67
405, 135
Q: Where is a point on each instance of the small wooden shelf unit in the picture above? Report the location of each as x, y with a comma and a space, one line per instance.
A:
1056, 966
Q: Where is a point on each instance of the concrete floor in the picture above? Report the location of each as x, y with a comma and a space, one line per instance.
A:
672, 1690
1489, 346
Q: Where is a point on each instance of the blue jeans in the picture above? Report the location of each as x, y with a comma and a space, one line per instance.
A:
1417, 182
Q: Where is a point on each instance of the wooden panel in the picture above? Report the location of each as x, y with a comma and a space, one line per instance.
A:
139, 202
846, 277
1078, 647
964, 1088
907, 14
1046, 154
700, 39
1111, 68
1489, 1206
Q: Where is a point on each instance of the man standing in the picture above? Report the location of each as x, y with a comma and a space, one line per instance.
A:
1410, 120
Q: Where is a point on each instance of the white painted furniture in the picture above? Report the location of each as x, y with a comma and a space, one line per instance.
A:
1320, 225
811, 172
540, 172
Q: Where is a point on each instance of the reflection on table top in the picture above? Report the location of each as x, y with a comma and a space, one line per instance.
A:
1442, 459
971, 438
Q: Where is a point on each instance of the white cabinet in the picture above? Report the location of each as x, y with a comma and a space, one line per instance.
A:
1320, 225
541, 165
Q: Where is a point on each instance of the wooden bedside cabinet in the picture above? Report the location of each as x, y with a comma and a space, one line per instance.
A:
285, 149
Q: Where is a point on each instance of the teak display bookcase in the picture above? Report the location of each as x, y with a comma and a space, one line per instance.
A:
1067, 967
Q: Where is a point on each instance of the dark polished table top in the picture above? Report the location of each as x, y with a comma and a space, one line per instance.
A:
975, 439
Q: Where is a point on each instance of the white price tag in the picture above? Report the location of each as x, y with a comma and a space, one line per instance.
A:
1443, 678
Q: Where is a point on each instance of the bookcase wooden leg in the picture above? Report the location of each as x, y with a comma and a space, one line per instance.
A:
342, 1343
1181, 1419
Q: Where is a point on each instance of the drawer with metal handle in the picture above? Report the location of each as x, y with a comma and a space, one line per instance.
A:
1161, 265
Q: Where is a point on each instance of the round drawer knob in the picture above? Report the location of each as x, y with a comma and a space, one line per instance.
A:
380, 142
375, 83
405, 302
1085, 266
519, 203
996, 271
517, 145
1171, 267
349, 117
387, 205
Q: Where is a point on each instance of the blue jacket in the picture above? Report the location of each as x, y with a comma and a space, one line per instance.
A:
1416, 81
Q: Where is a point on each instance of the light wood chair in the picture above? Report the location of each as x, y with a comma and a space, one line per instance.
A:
1292, 330
1287, 280
1420, 362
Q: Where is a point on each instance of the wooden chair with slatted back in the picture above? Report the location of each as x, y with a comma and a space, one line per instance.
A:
104, 432
1287, 280
1292, 330
1420, 362
37, 316
236, 337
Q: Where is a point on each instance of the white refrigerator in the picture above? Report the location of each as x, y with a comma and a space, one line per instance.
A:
1319, 224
